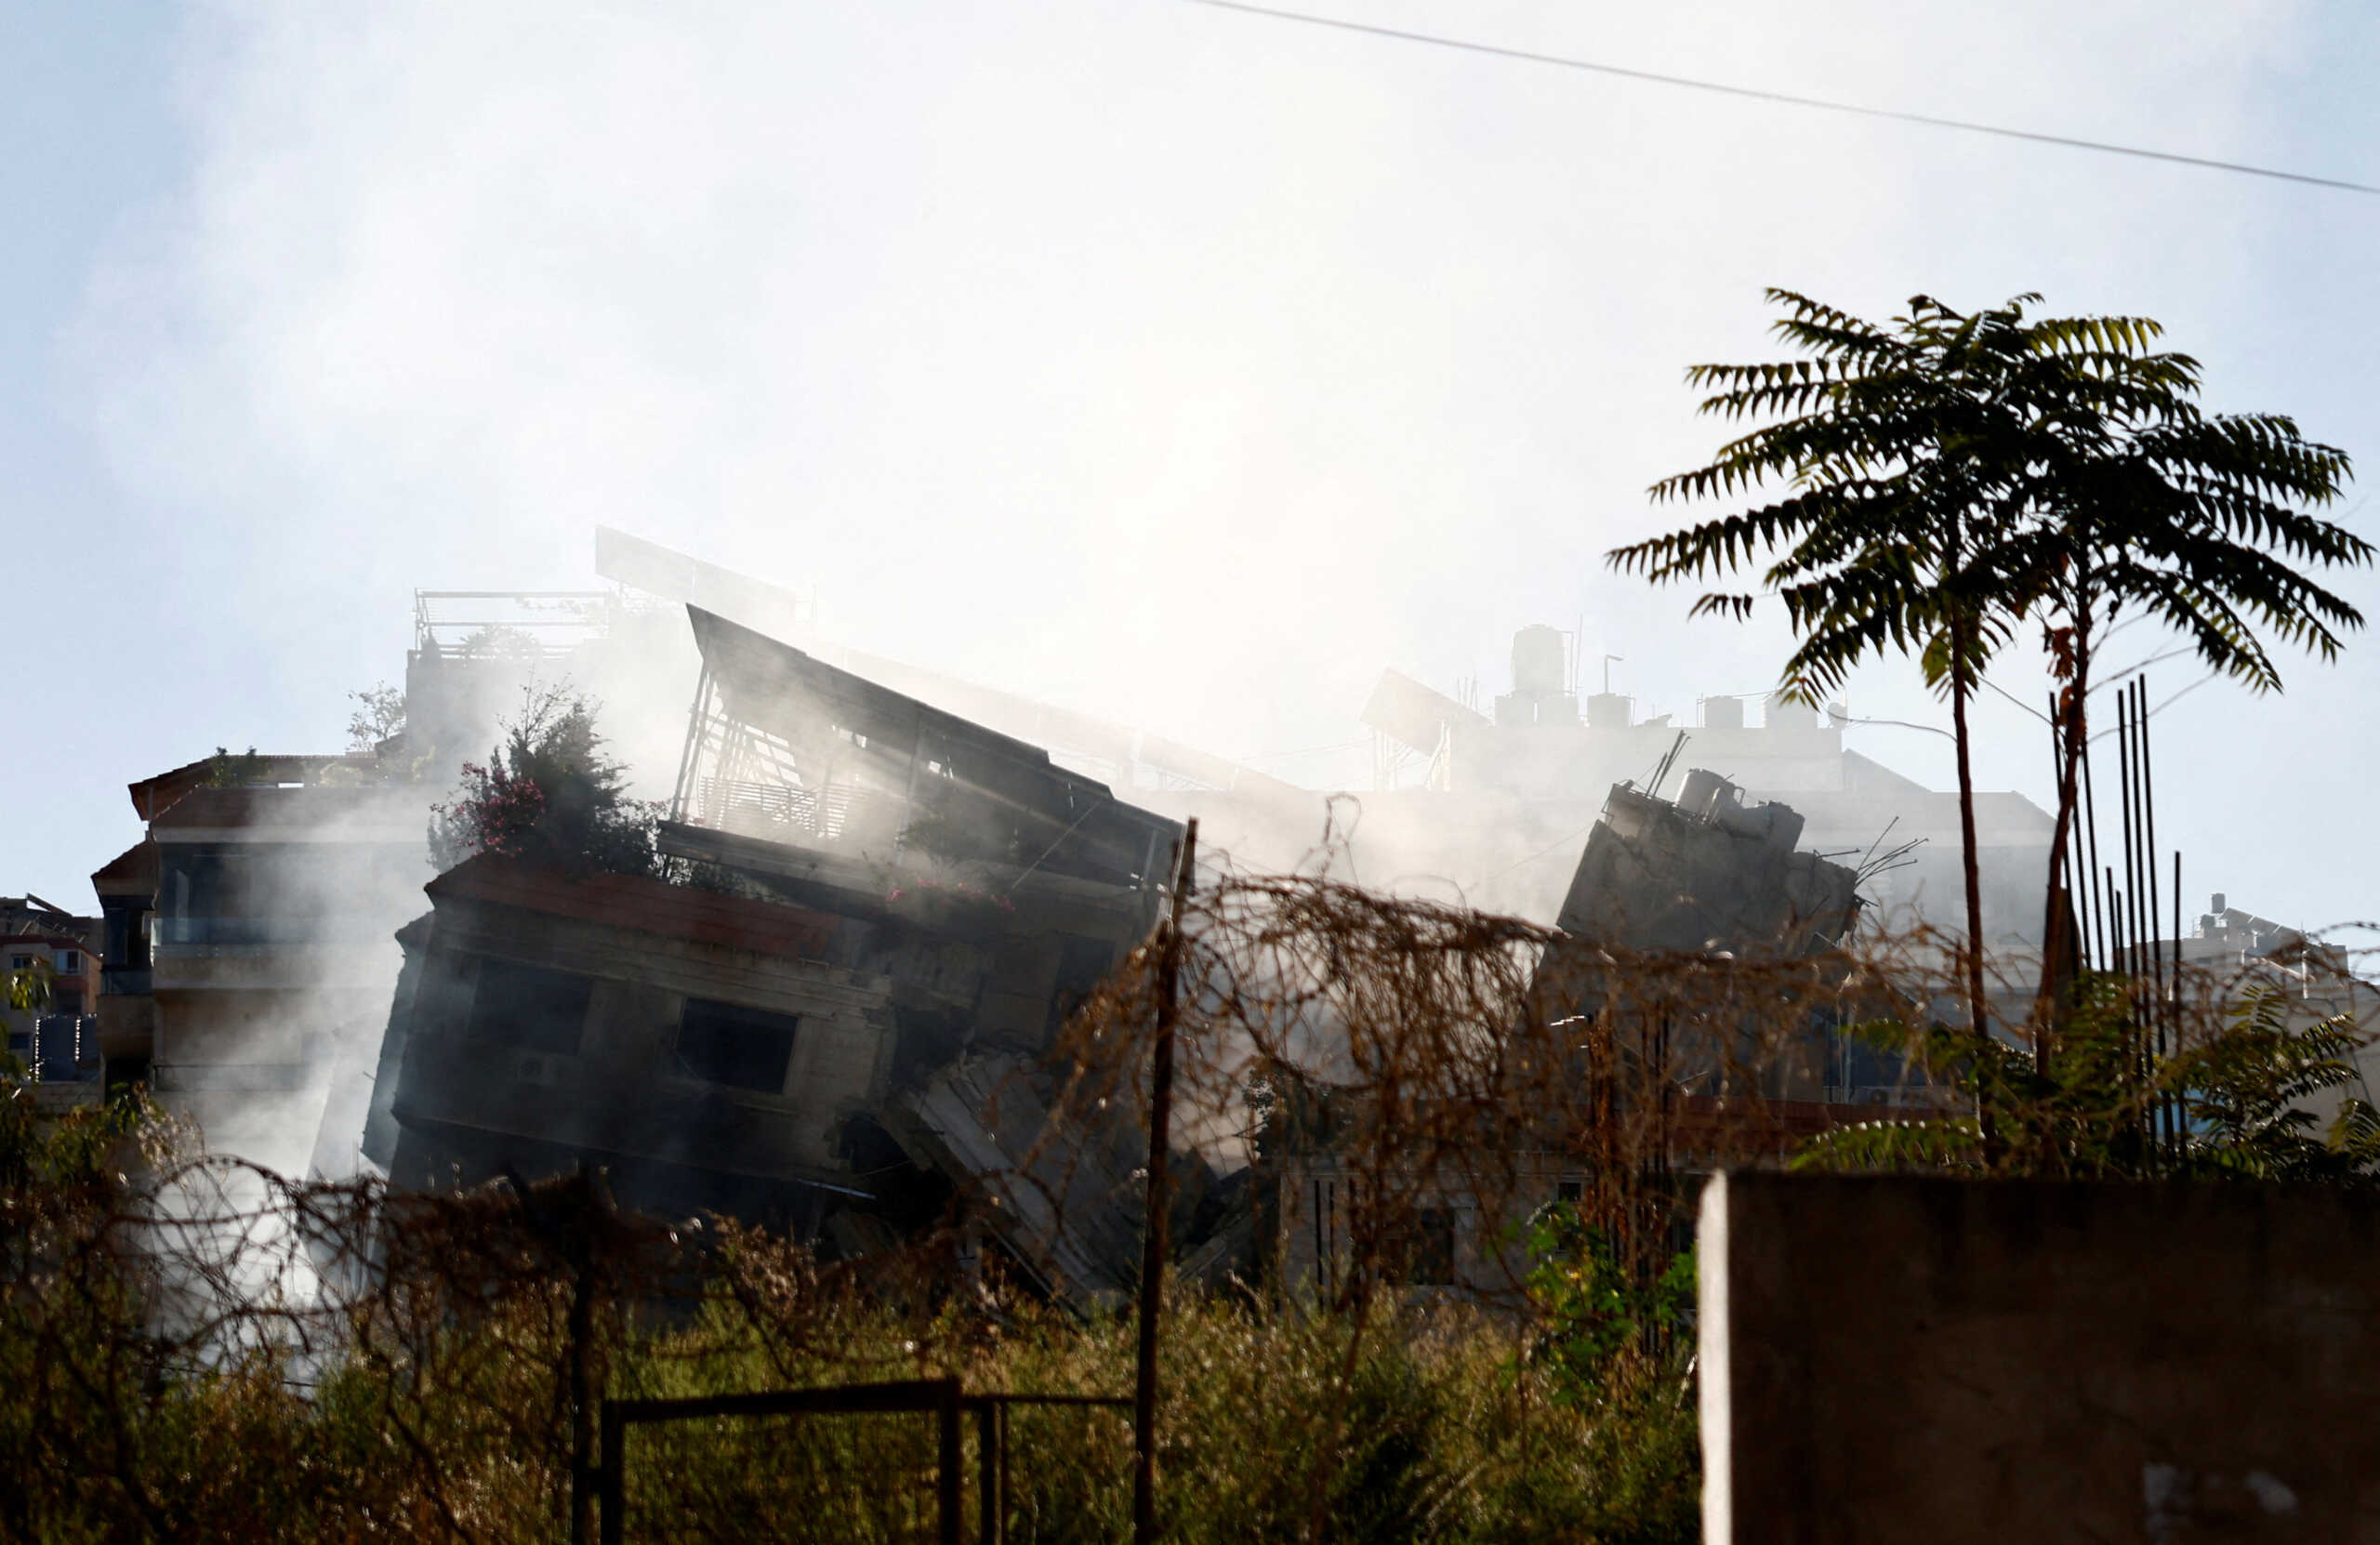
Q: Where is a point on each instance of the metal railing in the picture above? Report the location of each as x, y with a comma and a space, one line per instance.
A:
230, 935
123, 981
941, 1398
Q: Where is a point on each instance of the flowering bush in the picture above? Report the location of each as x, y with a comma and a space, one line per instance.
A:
550, 795
492, 812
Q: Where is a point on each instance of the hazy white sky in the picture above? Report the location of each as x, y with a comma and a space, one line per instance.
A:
1169, 363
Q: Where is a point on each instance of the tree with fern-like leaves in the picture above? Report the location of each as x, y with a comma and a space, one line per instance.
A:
1931, 483
2143, 504
1887, 498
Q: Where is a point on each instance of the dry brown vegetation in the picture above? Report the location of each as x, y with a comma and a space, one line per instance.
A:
196, 1349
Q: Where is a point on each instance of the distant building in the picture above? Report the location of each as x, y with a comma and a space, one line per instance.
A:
2317, 979
1539, 768
251, 950
58, 1041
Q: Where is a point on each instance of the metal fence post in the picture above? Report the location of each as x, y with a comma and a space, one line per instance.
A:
611, 1485
1001, 1422
988, 1511
948, 1490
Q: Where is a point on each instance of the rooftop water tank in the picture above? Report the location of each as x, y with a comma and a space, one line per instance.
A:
1607, 710
1540, 662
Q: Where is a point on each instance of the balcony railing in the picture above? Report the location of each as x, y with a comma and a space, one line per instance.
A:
63, 1049
123, 981
186, 937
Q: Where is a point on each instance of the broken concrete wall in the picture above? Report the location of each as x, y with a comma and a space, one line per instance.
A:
1063, 1201
1706, 872
667, 1032
1894, 1359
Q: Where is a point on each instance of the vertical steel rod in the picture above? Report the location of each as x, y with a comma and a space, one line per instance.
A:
2137, 930
2148, 830
2091, 824
2173, 1102
2131, 861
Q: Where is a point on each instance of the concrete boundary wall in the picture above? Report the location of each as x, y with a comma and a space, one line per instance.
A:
1894, 1359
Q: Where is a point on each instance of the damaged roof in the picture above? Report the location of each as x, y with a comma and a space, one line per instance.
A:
828, 715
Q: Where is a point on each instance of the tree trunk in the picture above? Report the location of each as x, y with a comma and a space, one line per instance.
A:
2058, 908
1979, 1016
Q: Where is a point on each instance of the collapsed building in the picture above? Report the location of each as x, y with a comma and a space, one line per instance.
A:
1706, 880
833, 1021
887, 887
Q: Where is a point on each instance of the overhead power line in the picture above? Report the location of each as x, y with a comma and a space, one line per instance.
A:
1787, 98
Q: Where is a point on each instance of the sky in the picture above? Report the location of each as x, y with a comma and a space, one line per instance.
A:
1171, 364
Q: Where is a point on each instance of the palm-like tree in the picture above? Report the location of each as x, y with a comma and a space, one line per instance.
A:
1904, 466
1948, 474
2143, 504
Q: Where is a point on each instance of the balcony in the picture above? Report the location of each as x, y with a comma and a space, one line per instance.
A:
62, 1049
190, 938
124, 982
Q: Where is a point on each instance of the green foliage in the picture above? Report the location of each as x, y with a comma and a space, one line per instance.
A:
1956, 466
1900, 452
28, 988
380, 714
1434, 1433
2098, 1110
50, 1160
551, 796
1930, 483
2248, 1093
227, 771
1596, 1316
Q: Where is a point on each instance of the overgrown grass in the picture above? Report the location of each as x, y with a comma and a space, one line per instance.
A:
148, 1395
1438, 1429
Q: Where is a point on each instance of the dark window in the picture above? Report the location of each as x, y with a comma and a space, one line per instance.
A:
1428, 1255
527, 1007
211, 883
1569, 1191
1082, 965
729, 1044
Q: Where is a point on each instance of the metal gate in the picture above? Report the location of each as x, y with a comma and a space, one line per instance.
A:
819, 1475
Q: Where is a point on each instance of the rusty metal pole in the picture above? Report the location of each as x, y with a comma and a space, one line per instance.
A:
949, 1485
611, 1481
580, 1243
1169, 976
